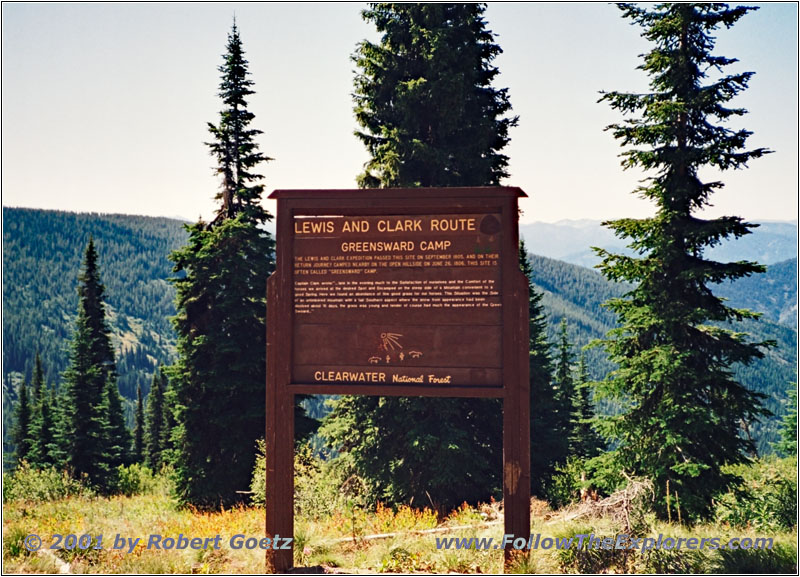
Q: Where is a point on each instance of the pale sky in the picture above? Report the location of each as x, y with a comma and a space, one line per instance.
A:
104, 106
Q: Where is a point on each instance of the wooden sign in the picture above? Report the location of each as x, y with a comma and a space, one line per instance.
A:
406, 292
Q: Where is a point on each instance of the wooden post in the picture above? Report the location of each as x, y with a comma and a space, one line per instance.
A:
516, 433
279, 443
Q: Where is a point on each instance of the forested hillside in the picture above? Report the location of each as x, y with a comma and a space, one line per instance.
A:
42, 251
41, 258
577, 293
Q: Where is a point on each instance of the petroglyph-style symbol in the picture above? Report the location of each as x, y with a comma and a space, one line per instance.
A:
414, 354
374, 360
389, 341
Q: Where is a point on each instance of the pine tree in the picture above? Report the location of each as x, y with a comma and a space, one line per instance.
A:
685, 410
429, 117
547, 445
584, 441
138, 428
154, 422
220, 373
788, 430
22, 426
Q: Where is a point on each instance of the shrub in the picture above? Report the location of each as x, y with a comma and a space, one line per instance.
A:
40, 485
766, 499
135, 479
321, 487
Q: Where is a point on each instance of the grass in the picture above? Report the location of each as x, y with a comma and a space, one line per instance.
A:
341, 540
343, 537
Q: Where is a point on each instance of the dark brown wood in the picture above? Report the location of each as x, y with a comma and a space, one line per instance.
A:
516, 432
401, 292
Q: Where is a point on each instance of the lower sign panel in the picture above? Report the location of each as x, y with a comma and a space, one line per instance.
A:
418, 355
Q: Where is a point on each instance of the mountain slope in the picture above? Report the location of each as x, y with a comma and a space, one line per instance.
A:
570, 241
577, 293
42, 254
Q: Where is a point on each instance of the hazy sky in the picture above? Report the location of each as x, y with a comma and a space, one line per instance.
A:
104, 106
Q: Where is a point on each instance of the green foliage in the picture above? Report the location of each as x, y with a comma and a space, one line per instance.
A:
34, 485
584, 440
788, 431
425, 101
156, 425
780, 559
430, 117
22, 425
548, 446
683, 408
220, 372
91, 433
41, 262
322, 487
135, 479
765, 499
137, 453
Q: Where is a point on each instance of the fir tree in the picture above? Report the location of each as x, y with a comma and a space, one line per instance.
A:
425, 101
138, 428
22, 426
685, 410
220, 373
584, 442
154, 422
42, 437
118, 440
547, 445
429, 117
564, 381
91, 436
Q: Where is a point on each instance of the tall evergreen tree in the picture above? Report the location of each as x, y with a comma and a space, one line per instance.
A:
220, 372
547, 444
91, 435
22, 425
584, 442
139, 427
685, 409
41, 421
117, 438
429, 116
564, 381
154, 422
425, 101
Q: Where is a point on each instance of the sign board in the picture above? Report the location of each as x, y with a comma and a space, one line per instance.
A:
410, 292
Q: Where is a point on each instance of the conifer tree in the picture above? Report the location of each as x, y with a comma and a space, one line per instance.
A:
154, 422
42, 438
429, 116
584, 441
221, 302
22, 426
685, 410
117, 438
92, 438
138, 428
547, 445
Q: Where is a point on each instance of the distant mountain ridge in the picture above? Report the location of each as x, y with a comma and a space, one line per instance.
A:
42, 252
570, 241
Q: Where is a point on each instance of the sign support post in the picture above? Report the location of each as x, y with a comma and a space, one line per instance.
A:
397, 292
